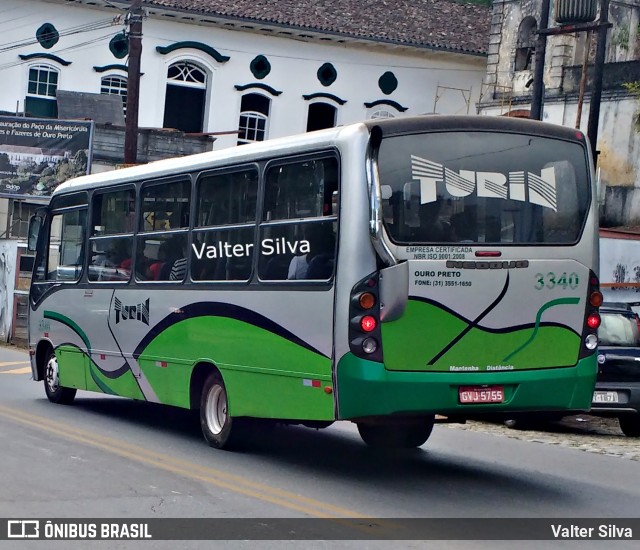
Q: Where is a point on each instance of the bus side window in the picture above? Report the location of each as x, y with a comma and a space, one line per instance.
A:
298, 233
66, 246
223, 238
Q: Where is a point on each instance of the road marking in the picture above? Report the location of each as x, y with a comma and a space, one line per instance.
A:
13, 363
212, 476
23, 370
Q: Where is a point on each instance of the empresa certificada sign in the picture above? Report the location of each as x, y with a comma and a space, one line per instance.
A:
37, 155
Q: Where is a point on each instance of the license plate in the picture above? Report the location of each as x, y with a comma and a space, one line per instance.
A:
481, 394
605, 396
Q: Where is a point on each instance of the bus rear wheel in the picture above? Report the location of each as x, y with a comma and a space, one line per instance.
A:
55, 392
220, 430
630, 424
403, 435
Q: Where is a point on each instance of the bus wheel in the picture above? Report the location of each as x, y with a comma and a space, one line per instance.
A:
219, 429
404, 435
55, 392
630, 424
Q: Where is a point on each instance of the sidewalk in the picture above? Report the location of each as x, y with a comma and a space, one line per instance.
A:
587, 433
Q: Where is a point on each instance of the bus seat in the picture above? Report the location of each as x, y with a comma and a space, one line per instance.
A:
320, 266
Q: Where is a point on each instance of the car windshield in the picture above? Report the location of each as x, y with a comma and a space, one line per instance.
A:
618, 329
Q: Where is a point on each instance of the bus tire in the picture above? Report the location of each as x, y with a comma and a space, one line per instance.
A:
220, 430
630, 424
403, 435
55, 392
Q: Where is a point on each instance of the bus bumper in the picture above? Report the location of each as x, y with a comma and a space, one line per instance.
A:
366, 388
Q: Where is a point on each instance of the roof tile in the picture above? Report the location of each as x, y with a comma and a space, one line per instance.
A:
441, 24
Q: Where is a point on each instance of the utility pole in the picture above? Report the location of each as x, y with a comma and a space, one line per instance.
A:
133, 82
538, 75
598, 72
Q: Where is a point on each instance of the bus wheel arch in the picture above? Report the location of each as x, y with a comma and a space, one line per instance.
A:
55, 392
209, 395
43, 350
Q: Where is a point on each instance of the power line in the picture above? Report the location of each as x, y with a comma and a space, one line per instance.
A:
74, 47
87, 27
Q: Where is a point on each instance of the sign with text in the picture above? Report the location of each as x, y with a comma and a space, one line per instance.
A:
37, 155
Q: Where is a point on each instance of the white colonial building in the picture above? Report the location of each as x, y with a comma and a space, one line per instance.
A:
241, 70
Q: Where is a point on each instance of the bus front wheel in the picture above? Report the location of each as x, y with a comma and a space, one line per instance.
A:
55, 392
405, 434
219, 429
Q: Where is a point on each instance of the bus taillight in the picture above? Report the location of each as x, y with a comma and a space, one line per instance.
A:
593, 321
592, 317
365, 337
367, 300
368, 323
596, 298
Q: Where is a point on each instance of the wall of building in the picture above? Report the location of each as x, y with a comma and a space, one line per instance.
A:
427, 81
618, 144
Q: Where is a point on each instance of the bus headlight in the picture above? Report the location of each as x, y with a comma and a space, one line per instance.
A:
591, 341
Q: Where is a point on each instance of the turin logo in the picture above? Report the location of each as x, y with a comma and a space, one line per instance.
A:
518, 186
139, 312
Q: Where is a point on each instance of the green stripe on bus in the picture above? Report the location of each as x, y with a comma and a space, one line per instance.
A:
71, 324
264, 373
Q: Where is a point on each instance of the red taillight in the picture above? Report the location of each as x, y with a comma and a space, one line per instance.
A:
368, 323
596, 298
593, 321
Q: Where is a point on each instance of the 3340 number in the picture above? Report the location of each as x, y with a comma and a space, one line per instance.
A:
553, 280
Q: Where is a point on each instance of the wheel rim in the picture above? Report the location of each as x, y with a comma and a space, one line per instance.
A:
51, 376
216, 409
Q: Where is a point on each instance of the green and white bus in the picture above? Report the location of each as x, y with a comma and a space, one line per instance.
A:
384, 273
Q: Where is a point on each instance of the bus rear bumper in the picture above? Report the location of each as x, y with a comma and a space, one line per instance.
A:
366, 388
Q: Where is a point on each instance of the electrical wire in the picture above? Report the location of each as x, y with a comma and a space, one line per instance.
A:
87, 27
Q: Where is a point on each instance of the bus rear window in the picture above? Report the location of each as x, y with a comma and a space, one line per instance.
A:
481, 187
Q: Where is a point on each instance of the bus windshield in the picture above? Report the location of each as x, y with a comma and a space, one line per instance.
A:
483, 187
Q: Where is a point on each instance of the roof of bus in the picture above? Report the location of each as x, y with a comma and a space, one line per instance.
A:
318, 139
189, 163
408, 125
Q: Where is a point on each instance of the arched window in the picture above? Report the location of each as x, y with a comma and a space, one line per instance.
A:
41, 91
321, 115
115, 85
382, 113
526, 45
185, 99
254, 115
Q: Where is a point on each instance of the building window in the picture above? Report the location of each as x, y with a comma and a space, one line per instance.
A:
185, 98
382, 113
21, 212
41, 91
115, 85
254, 115
526, 45
321, 115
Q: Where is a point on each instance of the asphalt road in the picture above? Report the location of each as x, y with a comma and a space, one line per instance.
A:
108, 457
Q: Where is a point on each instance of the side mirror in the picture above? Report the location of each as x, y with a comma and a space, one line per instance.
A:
35, 223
